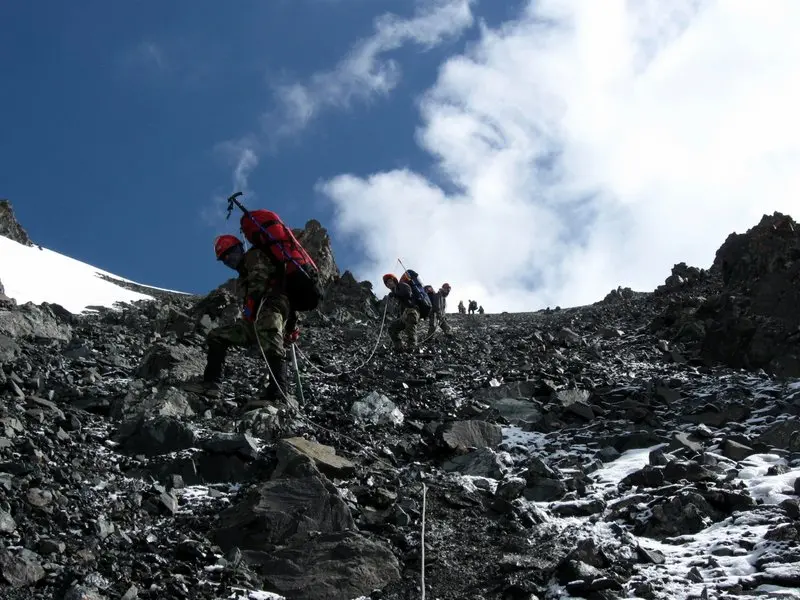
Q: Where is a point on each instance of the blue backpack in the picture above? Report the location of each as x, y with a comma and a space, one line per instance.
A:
418, 293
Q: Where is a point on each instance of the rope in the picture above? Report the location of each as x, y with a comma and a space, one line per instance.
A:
422, 537
286, 399
364, 363
263, 354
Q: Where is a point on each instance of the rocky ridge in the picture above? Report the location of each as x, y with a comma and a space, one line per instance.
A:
596, 452
10, 227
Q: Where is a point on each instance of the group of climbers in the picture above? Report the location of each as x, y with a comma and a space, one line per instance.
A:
277, 279
473, 306
414, 302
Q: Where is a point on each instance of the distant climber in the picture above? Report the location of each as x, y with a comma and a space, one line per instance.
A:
461, 308
438, 309
410, 307
473, 306
266, 315
480, 310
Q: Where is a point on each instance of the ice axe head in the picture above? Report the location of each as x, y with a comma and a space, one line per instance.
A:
231, 202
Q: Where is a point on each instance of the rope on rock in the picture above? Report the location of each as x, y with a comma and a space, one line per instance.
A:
422, 538
364, 363
299, 385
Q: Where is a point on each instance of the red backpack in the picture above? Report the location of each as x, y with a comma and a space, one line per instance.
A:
265, 230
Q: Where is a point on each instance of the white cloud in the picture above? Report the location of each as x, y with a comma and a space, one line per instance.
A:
589, 145
366, 71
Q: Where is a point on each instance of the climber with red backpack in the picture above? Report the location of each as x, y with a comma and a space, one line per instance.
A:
277, 278
413, 303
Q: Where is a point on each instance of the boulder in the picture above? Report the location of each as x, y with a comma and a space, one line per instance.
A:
175, 363
38, 323
482, 462
335, 566
152, 437
282, 510
376, 409
462, 436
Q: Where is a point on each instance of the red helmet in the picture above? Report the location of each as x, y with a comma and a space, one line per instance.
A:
224, 243
388, 277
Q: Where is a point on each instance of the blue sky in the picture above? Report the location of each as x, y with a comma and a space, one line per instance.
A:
529, 152
110, 149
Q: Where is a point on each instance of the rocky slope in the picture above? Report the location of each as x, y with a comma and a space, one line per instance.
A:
597, 452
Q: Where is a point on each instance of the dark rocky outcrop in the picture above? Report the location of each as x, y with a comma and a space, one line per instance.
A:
314, 238
10, 227
742, 312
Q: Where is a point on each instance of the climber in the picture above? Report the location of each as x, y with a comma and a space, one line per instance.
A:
431, 293
408, 314
473, 306
266, 314
438, 312
480, 309
461, 309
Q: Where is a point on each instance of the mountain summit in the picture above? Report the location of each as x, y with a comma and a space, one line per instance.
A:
645, 446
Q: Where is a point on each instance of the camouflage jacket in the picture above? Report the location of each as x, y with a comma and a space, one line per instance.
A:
257, 274
439, 303
402, 296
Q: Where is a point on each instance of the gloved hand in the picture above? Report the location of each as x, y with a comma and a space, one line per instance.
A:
292, 336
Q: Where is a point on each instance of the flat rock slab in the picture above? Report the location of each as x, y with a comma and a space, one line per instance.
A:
324, 457
465, 435
518, 411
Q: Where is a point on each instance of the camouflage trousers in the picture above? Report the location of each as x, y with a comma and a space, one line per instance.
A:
407, 322
437, 319
268, 329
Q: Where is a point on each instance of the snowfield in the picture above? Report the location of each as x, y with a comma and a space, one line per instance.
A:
30, 274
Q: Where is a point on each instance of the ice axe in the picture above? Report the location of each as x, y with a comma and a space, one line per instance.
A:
232, 200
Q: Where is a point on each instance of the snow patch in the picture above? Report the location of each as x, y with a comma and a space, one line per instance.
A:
33, 275
607, 478
514, 436
771, 489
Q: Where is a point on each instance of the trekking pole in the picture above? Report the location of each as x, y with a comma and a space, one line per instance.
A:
405, 271
297, 377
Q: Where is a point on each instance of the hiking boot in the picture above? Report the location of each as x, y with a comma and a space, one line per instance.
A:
209, 389
279, 391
